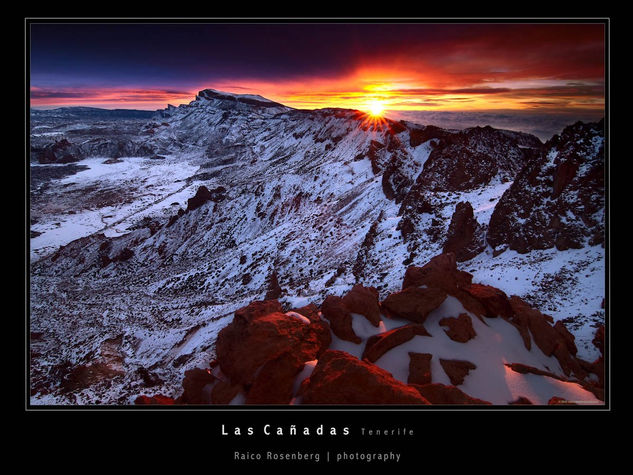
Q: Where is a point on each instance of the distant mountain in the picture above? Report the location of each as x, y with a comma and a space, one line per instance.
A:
91, 113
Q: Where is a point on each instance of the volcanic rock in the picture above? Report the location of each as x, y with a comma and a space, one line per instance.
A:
340, 318
465, 235
457, 370
274, 382
419, 368
378, 345
413, 303
495, 301
340, 378
158, 400
460, 329
364, 301
197, 387
244, 346
558, 199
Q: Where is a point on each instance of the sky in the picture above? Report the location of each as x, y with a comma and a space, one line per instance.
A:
401, 67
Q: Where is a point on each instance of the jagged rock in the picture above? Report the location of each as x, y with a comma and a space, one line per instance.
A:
258, 308
61, 151
474, 157
413, 303
252, 339
340, 318
364, 301
419, 368
457, 370
465, 235
495, 301
558, 199
156, 400
459, 329
149, 379
378, 345
201, 197
550, 339
224, 392
274, 382
442, 394
340, 378
440, 272
274, 290
197, 387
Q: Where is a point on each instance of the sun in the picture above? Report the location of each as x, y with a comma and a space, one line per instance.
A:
376, 108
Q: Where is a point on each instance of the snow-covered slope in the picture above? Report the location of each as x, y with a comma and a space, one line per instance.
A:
160, 250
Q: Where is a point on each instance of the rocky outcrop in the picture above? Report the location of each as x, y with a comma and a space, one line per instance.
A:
340, 378
419, 368
457, 370
558, 199
253, 339
338, 310
465, 235
413, 303
60, 151
378, 345
459, 329
474, 157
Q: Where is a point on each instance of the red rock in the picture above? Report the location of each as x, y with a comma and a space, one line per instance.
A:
457, 370
310, 311
274, 290
459, 329
552, 340
258, 309
442, 394
465, 236
378, 345
568, 338
419, 368
274, 382
223, 392
340, 378
521, 401
413, 303
243, 347
340, 318
364, 301
598, 339
158, 400
526, 369
440, 272
495, 301
197, 387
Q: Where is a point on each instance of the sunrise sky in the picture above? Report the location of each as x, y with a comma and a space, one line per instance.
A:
414, 66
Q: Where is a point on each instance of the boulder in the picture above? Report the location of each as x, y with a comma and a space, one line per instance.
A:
419, 368
364, 301
201, 197
465, 237
460, 329
340, 318
378, 345
274, 290
223, 392
413, 303
443, 394
244, 346
495, 301
440, 273
340, 378
197, 387
274, 382
457, 370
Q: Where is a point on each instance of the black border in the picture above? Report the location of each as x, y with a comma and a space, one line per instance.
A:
396, 415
